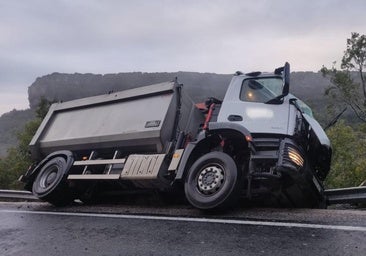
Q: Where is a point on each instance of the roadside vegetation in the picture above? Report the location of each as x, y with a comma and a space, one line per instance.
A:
349, 155
18, 159
344, 93
348, 138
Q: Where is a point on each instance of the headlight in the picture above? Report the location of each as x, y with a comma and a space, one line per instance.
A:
295, 156
291, 156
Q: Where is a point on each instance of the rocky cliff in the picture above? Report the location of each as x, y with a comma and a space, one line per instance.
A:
63, 87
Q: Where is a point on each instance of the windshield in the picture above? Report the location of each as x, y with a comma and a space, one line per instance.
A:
261, 89
303, 106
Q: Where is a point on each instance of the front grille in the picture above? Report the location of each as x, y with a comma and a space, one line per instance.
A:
263, 144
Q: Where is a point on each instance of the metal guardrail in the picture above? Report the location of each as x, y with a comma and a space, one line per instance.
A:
17, 194
334, 196
346, 195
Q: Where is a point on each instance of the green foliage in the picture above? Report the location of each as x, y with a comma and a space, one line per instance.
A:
10, 124
349, 144
344, 91
349, 151
43, 108
18, 159
355, 54
355, 58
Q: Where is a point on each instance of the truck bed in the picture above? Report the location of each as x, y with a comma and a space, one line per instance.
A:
137, 120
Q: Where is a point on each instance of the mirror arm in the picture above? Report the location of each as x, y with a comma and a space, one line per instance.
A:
286, 79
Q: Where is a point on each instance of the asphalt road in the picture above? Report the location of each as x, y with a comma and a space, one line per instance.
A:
40, 229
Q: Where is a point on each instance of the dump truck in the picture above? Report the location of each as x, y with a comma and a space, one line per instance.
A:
260, 141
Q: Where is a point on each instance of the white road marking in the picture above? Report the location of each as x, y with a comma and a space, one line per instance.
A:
200, 220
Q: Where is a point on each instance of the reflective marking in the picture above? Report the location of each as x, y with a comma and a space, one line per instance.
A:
200, 220
317, 185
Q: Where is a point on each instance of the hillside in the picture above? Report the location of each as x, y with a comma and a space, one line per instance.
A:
309, 86
11, 123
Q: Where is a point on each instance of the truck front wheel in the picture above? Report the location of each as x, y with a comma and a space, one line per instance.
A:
50, 184
212, 181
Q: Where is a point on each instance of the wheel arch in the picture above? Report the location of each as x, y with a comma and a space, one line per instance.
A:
30, 176
235, 135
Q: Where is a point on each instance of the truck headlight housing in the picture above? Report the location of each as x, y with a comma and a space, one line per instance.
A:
291, 155
295, 156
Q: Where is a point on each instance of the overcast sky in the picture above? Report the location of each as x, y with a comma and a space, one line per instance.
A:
38, 37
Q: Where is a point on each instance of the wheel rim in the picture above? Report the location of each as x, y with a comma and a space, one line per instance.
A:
210, 179
49, 177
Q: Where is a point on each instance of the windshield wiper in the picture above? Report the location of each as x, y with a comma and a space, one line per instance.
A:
276, 100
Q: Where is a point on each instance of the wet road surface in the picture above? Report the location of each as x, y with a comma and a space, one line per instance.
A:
40, 229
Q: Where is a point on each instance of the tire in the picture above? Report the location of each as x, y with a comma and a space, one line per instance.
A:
50, 184
212, 182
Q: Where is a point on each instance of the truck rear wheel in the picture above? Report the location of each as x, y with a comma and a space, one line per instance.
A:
212, 181
50, 184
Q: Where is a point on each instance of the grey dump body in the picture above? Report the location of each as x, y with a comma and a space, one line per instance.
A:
138, 120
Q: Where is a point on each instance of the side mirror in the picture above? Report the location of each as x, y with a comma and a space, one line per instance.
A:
286, 79
285, 72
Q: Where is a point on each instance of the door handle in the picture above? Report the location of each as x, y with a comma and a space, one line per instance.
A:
234, 118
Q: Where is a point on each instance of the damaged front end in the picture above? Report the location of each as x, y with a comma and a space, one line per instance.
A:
279, 167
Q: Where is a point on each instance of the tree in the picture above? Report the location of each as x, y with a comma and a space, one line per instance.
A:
349, 150
42, 108
355, 58
18, 158
348, 88
344, 88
